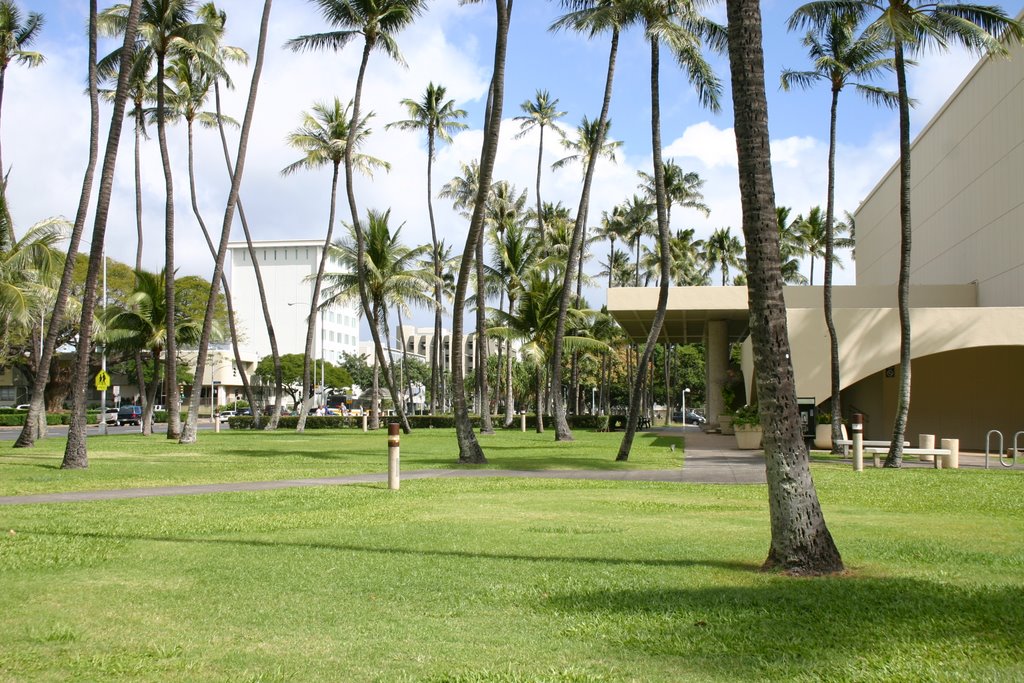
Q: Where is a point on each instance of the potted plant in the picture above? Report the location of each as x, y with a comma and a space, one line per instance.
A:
747, 424
823, 431
726, 418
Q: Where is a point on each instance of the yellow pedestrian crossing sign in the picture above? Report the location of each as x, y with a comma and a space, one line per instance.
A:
102, 380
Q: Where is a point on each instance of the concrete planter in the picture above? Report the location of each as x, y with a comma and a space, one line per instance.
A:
823, 436
725, 423
748, 437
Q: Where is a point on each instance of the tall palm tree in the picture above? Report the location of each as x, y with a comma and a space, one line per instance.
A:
15, 36
391, 274
209, 13
685, 32
800, 540
439, 118
193, 76
637, 213
723, 249
323, 138
378, 22
687, 264
618, 269
611, 228
28, 272
591, 17
469, 446
911, 27
188, 435
681, 189
75, 454
840, 58
791, 248
541, 112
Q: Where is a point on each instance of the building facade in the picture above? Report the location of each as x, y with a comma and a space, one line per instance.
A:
288, 268
967, 284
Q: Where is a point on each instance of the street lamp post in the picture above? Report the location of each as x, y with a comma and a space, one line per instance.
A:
683, 395
593, 401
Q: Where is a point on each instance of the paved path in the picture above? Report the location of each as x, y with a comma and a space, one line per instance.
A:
710, 459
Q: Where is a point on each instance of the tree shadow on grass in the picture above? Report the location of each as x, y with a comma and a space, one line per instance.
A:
415, 552
835, 628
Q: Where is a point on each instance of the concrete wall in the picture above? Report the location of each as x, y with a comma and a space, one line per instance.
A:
968, 206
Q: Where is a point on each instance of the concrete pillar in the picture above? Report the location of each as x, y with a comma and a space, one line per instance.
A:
857, 424
926, 441
716, 340
951, 461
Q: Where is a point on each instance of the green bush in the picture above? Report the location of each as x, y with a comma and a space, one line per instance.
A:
589, 422
160, 416
18, 419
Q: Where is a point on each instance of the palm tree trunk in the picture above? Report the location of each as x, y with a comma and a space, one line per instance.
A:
469, 447
171, 349
540, 398
668, 385
435, 344
663, 238
800, 540
35, 422
405, 357
189, 434
833, 337
360, 240
562, 431
139, 123
75, 453
486, 427
149, 400
261, 288
224, 280
895, 457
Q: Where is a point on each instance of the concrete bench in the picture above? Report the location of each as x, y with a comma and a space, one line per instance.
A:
877, 451
848, 443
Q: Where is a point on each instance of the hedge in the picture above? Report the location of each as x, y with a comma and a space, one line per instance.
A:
592, 422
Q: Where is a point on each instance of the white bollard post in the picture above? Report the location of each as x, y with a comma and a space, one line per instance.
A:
393, 448
857, 426
522, 422
364, 423
926, 441
951, 461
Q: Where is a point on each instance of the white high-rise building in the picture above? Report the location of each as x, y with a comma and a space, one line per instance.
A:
288, 268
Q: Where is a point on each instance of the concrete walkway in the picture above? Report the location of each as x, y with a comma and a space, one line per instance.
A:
710, 459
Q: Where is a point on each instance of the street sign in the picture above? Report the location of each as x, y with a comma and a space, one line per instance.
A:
102, 380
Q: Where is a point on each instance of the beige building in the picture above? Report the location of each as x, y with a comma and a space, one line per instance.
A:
967, 278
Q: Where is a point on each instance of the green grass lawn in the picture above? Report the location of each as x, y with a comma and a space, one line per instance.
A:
517, 580
131, 460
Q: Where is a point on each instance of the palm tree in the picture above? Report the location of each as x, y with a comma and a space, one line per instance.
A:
193, 76
75, 454
723, 249
15, 36
911, 27
681, 189
791, 248
591, 17
378, 22
618, 269
540, 113
142, 325
323, 138
637, 223
165, 28
391, 275
687, 264
840, 58
210, 14
611, 228
469, 446
27, 274
800, 540
533, 324
439, 118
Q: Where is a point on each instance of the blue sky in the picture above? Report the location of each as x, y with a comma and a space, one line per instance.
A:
45, 126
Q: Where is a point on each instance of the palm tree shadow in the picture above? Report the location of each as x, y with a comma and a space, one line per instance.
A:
788, 633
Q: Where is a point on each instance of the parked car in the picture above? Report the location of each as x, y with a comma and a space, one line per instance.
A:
23, 406
129, 415
110, 417
225, 415
692, 417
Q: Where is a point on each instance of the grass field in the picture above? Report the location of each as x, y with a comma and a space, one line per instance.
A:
517, 580
131, 460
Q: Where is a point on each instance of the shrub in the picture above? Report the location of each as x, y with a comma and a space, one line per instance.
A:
747, 415
18, 419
